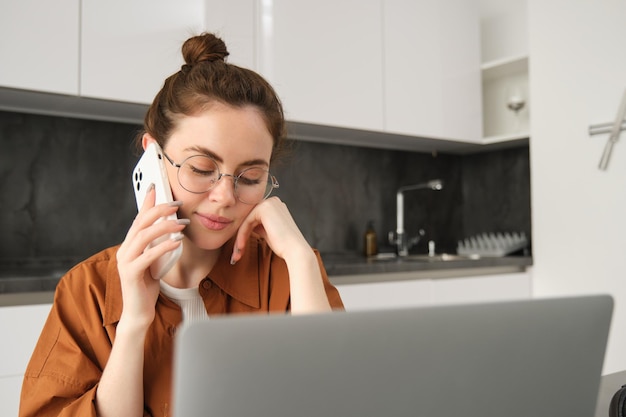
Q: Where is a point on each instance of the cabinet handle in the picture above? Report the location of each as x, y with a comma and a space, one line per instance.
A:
615, 130
602, 128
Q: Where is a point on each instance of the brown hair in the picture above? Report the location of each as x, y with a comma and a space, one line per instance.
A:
206, 78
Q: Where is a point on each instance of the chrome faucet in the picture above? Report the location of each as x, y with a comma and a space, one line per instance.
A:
402, 242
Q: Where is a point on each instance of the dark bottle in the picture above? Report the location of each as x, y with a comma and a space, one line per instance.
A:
370, 240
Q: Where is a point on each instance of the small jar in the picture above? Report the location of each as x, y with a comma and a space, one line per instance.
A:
370, 246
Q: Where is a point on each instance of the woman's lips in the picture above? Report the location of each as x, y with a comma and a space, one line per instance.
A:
213, 222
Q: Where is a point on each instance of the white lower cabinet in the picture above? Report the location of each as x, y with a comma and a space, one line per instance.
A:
21, 326
502, 287
382, 295
429, 292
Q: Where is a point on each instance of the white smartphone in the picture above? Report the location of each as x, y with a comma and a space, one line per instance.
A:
151, 170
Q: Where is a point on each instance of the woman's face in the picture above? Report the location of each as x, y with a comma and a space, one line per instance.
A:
236, 138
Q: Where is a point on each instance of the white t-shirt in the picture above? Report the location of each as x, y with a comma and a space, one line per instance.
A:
188, 299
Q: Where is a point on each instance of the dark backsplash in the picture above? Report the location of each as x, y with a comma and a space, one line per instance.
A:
65, 190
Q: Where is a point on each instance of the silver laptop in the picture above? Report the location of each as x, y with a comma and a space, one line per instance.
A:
534, 358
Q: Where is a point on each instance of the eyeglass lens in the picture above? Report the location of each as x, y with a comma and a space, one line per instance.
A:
199, 174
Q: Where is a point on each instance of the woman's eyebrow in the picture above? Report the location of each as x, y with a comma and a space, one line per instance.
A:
253, 162
205, 151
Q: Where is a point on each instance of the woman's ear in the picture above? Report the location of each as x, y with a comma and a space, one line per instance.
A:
147, 140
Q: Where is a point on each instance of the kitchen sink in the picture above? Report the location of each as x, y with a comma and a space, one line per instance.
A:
440, 257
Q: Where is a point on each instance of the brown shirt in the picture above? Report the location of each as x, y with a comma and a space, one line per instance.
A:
75, 344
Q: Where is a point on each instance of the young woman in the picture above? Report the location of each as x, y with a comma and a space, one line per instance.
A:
106, 349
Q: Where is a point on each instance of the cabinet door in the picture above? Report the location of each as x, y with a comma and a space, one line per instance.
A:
488, 288
419, 292
235, 22
385, 295
432, 68
20, 327
324, 58
39, 45
129, 48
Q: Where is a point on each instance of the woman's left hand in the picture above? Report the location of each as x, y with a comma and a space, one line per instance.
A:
272, 220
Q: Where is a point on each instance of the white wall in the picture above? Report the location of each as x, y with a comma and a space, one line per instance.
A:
577, 78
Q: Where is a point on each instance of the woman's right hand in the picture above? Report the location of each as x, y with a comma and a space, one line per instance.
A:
139, 290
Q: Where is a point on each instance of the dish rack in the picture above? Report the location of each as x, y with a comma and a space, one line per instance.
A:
492, 244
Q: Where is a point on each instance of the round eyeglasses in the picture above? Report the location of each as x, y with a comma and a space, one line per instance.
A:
200, 173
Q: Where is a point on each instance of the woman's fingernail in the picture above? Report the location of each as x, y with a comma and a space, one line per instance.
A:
236, 251
177, 237
150, 187
183, 221
176, 203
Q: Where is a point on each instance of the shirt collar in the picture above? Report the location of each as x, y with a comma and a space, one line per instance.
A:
113, 295
241, 281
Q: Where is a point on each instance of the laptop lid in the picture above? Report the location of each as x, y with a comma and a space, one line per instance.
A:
526, 358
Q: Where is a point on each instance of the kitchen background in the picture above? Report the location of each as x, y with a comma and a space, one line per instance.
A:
65, 190
100, 52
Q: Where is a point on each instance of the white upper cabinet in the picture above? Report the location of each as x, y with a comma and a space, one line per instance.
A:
128, 48
408, 67
39, 45
405, 71
432, 68
235, 21
503, 29
324, 58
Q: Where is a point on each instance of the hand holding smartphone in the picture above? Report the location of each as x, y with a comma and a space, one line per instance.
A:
151, 170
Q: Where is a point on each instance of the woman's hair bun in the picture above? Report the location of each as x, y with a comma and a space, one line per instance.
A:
204, 47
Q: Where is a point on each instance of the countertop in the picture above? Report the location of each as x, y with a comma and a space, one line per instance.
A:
352, 264
19, 280
33, 274
355, 269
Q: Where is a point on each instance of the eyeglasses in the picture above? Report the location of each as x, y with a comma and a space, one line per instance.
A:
200, 173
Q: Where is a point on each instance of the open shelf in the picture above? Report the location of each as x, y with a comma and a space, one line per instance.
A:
504, 67
505, 138
501, 80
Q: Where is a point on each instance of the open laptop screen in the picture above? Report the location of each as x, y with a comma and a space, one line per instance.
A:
534, 358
